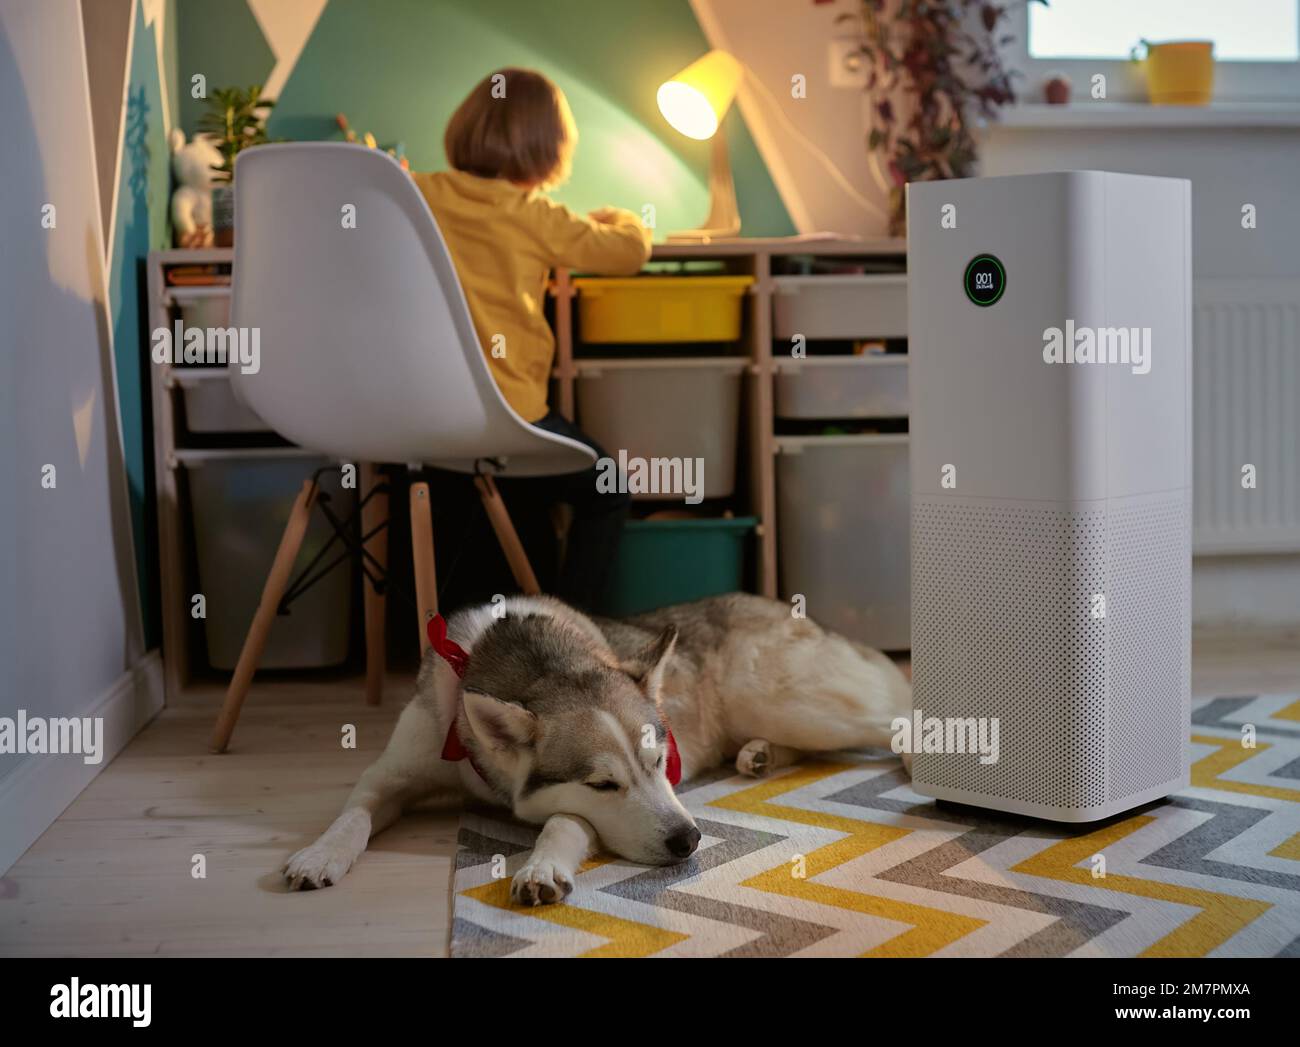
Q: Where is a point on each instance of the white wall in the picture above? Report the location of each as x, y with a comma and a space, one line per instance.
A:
1228, 167
777, 39
70, 632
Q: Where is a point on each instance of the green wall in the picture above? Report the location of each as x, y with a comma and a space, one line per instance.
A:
142, 224
398, 68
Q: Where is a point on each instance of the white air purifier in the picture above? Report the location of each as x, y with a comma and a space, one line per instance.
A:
1050, 356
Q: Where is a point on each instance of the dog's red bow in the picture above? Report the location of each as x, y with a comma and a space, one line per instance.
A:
452, 652
457, 657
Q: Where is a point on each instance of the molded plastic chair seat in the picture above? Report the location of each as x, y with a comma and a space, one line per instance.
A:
367, 349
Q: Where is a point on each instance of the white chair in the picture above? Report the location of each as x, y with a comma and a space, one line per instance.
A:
367, 355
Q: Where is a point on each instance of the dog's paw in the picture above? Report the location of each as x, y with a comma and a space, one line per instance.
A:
755, 759
541, 882
320, 865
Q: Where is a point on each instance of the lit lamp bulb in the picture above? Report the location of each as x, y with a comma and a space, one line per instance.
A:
694, 103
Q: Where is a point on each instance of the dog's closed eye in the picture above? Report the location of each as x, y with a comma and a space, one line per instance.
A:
603, 786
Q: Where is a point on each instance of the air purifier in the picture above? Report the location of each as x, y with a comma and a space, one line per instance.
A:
1050, 357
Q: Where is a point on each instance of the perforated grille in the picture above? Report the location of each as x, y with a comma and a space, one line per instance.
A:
1002, 627
1150, 643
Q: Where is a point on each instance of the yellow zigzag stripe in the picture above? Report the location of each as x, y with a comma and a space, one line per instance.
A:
1291, 712
1221, 915
626, 937
1206, 771
932, 928
1288, 849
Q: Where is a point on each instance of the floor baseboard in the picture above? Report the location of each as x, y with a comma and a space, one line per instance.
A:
42, 786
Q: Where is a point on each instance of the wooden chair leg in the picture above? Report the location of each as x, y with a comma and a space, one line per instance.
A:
426, 578
506, 535
276, 583
373, 514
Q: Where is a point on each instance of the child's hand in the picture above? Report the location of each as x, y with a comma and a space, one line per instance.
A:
610, 215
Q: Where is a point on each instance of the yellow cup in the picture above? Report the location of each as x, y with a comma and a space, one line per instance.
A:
1180, 72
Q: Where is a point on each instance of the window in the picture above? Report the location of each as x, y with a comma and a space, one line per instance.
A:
1256, 44
1260, 31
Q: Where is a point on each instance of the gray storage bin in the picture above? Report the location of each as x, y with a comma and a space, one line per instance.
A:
869, 386
840, 306
240, 503
203, 307
666, 408
211, 405
843, 508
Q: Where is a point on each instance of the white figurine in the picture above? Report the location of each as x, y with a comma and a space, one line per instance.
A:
192, 164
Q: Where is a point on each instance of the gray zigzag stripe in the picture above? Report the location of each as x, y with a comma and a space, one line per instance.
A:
1290, 770
1077, 922
476, 849
472, 940
780, 935
1217, 713
1187, 853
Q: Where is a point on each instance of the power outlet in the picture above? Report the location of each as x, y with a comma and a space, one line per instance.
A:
848, 66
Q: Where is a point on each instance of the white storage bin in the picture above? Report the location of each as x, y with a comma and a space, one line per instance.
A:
840, 306
669, 408
842, 387
203, 306
843, 508
240, 503
211, 405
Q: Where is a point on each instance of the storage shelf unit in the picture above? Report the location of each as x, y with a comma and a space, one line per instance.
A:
763, 259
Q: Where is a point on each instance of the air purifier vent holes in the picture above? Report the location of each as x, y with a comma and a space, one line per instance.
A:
1002, 609
1150, 643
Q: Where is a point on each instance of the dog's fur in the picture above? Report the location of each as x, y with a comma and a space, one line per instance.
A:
565, 717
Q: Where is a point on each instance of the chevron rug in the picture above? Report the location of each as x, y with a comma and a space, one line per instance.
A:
841, 858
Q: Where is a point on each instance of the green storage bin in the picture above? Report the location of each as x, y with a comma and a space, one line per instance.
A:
663, 562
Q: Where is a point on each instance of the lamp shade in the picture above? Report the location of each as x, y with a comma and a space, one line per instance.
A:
696, 99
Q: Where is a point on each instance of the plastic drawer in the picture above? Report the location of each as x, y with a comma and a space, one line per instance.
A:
647, 309
844, 534
842, 387
848, 306
662, 562
211, 405
240, 504
672, 408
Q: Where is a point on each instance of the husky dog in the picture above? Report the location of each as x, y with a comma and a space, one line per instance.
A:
576, 724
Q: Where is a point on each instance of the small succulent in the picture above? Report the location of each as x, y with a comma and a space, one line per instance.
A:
235, 119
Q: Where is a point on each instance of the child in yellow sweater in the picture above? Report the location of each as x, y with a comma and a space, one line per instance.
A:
511, 139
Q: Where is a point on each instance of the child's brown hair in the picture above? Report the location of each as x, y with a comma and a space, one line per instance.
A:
515, 124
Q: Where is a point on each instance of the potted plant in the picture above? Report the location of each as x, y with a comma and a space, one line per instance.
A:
235, 120
940, 61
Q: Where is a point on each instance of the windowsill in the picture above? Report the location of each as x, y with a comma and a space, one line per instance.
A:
1122, 115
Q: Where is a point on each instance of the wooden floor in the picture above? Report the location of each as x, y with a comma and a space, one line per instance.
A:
113, 875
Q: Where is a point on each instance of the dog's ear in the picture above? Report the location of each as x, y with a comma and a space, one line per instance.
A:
501, 725
648, 667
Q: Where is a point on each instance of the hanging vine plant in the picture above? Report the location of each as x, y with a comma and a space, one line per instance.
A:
940, 62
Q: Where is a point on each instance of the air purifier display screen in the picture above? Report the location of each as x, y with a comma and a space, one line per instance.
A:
986, 279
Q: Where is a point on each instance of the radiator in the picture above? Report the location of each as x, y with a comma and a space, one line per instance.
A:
1246, 388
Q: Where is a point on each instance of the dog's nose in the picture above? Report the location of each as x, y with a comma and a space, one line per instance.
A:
682, 844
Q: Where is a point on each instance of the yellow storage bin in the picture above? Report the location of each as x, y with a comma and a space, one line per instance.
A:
661, 308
